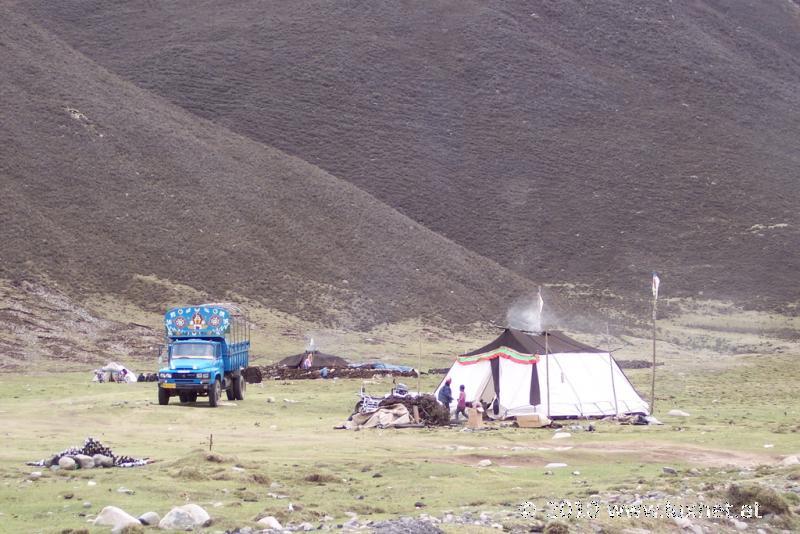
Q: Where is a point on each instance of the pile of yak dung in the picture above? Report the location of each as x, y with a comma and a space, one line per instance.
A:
292, 373
252, 375
91, 447
431, 411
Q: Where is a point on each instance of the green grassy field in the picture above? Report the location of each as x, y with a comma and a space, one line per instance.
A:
269, 448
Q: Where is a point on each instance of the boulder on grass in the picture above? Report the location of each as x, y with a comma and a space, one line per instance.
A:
101, 460
86, 462
184, 517
67, 463
270, 522
149, 519
116, 518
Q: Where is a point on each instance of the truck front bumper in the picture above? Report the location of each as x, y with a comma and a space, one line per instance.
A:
184, 385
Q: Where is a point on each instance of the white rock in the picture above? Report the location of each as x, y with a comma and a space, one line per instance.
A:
677, 413
150, 519
91, 483
555, 464
790, 460
35, 475
184, 517
270, 522
738, 525
86, 462
306, 527
67, 463
115, 518
484, 463
768, 445
562, 435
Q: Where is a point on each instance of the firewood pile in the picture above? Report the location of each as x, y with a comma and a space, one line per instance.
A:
431, 411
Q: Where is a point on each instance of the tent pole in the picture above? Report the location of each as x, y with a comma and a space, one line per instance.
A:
611, 366
547, 371
653, 381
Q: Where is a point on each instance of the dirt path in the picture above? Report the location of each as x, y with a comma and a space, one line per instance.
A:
646, 452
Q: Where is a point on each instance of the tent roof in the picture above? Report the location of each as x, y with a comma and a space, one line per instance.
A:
320, 359
528, 343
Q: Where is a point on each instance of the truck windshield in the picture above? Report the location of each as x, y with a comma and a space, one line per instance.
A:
193, 350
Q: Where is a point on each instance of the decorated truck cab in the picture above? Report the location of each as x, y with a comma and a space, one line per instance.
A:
207, 349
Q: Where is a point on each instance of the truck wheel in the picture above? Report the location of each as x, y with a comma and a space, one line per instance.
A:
163, 396
214, 391
182, 397
230, 393
239, 387
191, 397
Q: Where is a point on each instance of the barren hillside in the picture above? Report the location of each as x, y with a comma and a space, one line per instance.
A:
108, 189
581, 142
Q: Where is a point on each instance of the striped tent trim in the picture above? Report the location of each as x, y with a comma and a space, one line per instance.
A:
500, 352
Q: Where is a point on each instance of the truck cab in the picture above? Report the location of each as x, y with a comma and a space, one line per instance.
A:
207, 351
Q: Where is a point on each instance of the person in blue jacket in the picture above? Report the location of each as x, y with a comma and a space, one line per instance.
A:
446, 394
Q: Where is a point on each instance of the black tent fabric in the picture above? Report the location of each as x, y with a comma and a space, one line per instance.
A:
530, 343
318, 360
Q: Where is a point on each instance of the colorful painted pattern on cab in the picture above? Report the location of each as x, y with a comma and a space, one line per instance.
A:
198, 321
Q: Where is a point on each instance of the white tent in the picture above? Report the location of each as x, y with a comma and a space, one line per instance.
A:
520, 374
113, 370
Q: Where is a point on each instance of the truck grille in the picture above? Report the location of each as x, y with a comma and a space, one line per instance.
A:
184, 375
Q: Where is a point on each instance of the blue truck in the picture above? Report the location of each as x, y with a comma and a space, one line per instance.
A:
208, 348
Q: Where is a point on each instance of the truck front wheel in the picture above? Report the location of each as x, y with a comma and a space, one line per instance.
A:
163, 396
214, 391
239, 387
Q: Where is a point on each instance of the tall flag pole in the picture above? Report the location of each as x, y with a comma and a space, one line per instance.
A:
656, 282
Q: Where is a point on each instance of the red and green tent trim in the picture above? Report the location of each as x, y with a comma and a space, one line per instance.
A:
500, 352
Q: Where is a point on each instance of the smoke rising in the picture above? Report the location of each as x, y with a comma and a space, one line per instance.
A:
523, 314
311, 346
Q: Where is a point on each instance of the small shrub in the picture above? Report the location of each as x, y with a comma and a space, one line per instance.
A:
769, 501
320, 478
556, 527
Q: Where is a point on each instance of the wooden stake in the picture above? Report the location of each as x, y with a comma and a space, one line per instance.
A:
210, 441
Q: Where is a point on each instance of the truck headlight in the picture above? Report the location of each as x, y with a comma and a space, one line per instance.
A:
164, 375
204, 375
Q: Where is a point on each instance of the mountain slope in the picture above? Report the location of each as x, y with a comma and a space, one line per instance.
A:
104, 186
584, 142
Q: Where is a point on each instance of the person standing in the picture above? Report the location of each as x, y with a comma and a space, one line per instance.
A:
462, 402
446, 394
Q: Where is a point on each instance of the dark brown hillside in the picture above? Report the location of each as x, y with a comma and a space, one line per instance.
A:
104, 185
571, 141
